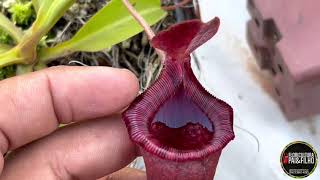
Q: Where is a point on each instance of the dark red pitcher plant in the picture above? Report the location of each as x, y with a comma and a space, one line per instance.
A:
179, 127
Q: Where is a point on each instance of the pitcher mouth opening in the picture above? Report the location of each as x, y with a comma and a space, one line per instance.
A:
180, 125
189, 147
179, 138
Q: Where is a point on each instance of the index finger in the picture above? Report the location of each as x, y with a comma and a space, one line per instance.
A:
33, 105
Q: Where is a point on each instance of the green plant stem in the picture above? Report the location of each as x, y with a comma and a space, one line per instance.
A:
50, 12
23, 69
10, 57
7, 26
144, 25
46, 55
39, 66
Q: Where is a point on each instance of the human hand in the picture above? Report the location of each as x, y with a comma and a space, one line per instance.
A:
95, 145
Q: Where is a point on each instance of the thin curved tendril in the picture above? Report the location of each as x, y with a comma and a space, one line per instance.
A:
251, 134
173, 7
144, 25
77, 62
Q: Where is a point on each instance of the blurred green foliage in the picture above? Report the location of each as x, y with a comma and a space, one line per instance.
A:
5, 38
7, 72
22, 14
32, 21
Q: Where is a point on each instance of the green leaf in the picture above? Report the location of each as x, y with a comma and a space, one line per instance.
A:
7, 26
114, 24
50, 11
4, 48
111, 25
37, 3
41, 6
10, 57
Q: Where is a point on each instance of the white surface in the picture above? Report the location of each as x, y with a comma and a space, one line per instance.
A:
225, 72
227, 67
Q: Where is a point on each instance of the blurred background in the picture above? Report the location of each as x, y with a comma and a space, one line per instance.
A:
228, 69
